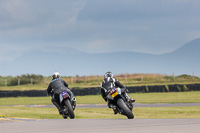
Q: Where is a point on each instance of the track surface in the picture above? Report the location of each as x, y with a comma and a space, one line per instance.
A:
13, 125
103, 126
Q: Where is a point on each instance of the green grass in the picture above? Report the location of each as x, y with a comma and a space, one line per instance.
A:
167, 112
130, 82
29, 112
169, 97
25, 100
25, 87
103, 113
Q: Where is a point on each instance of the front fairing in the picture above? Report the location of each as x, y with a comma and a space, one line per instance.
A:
116, 95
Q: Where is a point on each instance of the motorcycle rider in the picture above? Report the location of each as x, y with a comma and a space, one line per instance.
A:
56, 86
108, 83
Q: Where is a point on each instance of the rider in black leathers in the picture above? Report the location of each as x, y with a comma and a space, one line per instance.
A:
57, 86
108, 83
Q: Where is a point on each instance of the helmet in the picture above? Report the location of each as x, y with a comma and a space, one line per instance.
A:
55, 75
108, 74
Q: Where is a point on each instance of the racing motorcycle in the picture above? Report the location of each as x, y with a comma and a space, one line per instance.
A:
122, 106
68, 105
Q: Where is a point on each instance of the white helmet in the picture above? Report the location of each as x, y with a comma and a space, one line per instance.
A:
108, 74
55, 75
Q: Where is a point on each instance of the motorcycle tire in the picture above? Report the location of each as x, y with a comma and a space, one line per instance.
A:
70, 109
123, 106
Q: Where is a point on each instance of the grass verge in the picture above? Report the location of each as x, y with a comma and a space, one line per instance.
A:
25, 87
103, 113
169, 97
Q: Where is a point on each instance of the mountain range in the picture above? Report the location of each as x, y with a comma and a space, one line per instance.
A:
71, 62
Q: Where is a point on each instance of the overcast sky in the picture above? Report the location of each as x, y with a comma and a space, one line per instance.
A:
96, 26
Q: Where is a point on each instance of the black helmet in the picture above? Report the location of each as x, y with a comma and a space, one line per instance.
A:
55, 75
108, 74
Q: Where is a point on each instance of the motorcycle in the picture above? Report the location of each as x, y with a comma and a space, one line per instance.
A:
67, 104
122, 106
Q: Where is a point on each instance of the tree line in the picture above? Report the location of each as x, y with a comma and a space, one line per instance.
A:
21, 80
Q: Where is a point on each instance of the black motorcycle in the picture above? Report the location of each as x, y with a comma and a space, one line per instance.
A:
68, 105
122, 106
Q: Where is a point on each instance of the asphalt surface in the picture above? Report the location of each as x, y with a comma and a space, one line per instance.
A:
103, 126
17, 125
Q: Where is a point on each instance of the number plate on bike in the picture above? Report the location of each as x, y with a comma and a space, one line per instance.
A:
115, 94
63, 95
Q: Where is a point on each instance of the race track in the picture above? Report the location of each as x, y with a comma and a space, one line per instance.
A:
103, 126
17, 125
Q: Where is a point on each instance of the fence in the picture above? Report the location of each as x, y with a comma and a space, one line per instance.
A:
126, 79
19, 81
96, 91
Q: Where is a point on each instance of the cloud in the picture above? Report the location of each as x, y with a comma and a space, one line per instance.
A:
138, 9
155, 26
99, 46
32, 18
8, 53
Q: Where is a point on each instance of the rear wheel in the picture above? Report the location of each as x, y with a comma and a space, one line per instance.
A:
70, 110
124, 107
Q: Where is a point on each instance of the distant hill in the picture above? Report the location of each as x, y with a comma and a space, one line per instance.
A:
184, 59
70, 62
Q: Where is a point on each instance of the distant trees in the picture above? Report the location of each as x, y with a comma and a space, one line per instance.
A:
95, 80
23, 79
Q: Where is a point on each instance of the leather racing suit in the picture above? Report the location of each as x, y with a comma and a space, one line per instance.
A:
55, 87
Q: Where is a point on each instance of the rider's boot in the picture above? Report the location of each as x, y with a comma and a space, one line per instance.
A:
57, 106
113, 107
115, 110
130, 100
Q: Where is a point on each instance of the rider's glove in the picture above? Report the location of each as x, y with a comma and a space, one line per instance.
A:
107, 92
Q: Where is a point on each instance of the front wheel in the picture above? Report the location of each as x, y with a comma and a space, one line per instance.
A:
124, 107
70, 110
